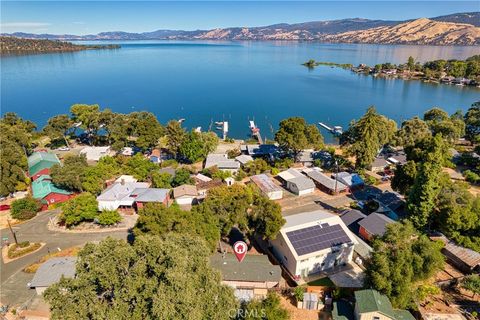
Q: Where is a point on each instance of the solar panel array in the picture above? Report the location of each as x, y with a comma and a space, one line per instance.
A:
316, 238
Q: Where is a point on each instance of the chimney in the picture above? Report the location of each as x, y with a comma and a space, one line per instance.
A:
122, 181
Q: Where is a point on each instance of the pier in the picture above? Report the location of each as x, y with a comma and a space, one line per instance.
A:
255, 131
336, 130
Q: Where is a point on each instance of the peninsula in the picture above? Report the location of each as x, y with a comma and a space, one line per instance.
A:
13, 45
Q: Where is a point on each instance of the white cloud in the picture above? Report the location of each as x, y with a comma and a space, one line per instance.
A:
23, 25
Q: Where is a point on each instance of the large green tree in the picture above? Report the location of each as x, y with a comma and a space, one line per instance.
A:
404, 177
94, 177
58, 127
197, 145
400, 261
87, 117
146, 129
155, 278
294, 135
268, 309
176, 136
69, 176
412, 131
83, 207
368, 135
440, 122
472, 122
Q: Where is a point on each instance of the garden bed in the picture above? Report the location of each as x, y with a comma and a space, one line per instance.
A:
14, 251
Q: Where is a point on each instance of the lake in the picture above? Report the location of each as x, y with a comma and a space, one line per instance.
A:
234, 81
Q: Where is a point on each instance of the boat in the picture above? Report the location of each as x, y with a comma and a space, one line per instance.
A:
219, 123
198, 129
219, 128
181, 120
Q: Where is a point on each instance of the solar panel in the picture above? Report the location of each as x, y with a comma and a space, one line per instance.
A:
316, 238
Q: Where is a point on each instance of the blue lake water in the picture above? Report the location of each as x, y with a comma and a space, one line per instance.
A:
235, 81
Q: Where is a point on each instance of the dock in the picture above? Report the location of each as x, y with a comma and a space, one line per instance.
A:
222, 126
255, 131
336, 130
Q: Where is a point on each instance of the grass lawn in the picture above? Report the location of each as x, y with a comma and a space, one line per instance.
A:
324, 282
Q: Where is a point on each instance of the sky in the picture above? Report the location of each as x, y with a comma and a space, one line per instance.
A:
91, 17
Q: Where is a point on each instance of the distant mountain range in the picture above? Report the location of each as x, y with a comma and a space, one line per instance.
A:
454, 29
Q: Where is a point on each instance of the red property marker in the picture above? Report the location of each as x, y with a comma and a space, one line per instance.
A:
240, 249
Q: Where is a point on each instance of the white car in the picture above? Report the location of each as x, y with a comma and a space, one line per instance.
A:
63, 149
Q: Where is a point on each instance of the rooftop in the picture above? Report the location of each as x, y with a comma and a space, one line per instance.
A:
351, 218
95, 153
221, 161
254, 268
376, 223
372, 301
185, 190
265, 184
36, 157
121, 191
243, 159
150, 194
43, 186
52, 270
326, 181
261, 149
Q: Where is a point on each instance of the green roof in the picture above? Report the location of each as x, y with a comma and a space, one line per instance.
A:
342, 310
372, 301
42, 187
41, 160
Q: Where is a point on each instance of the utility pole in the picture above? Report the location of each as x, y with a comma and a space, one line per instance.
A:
13, 232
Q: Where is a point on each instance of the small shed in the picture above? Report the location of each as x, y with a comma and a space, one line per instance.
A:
51, 271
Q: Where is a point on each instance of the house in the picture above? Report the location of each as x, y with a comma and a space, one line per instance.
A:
96, 153
44, 190
201, 178
39, 163
297, 182
397, 158
267, 186
311, 242
351, 218
127, 151
51, 271
325, 183
391, 204
379, 164
260, 150
370, 304
306, 157
148, 195
222, 162
155, 156
244, 159
466, 260
250, 278
351, 180
185, 194
375, 224
126, 178
118, 195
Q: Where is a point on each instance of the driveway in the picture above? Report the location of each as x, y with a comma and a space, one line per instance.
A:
12, 280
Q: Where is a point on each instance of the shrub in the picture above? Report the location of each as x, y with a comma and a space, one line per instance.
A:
24, 244
298, 293
25, 208
471, 176
16, 251
109, 217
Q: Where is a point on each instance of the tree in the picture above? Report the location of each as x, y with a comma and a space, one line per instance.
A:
256, 166
26, 208
182, 176
400, 261
161, 180
58, 127
294, 135
139, 167
69, 176
197, 145
411, 63
404, 177
94, 177
154, 278
267, 309
176, 135
118, 131
83, 207
146, 128
472, 122
439, 122
109, 217
87, 116
368, 135
472, 283
266, 218
412, 131
156, 219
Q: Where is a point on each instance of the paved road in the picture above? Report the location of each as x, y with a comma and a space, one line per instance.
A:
12, 280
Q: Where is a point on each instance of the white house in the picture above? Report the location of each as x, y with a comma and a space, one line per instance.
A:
185, 194
311, 242
267, 186
296, 182
96, 153
118, 195
51, 271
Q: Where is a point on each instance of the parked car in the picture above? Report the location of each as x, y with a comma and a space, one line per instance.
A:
4, 207
63, 149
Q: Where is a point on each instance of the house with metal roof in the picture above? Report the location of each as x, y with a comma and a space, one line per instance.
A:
311, 242
93, 153
351, 218
465, 259
39, 163
351, 180
325, 183
375, 224
51, 271
250, 278
391, 204
370, 304
44, 190
222, 162
185, 194
118, 195
267, 186
244, 159
378, 164
296, 182
149, 195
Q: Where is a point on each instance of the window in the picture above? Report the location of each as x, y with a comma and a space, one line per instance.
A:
284, 257
376, 318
